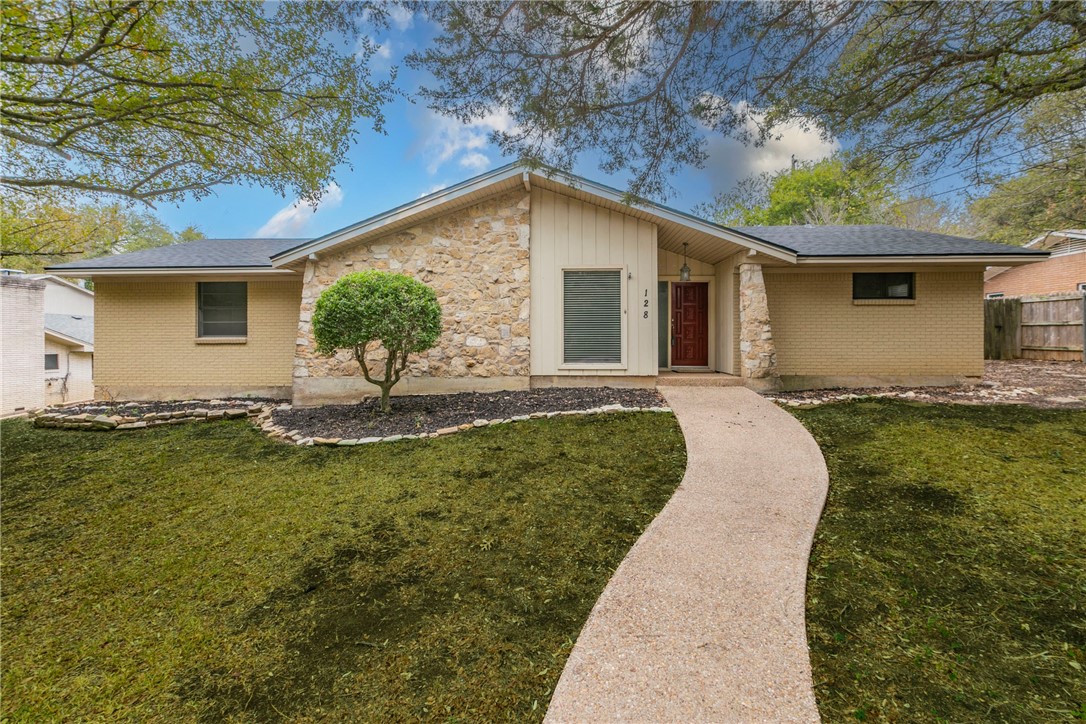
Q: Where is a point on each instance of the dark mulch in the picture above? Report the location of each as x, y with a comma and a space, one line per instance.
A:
142, 408
412, 414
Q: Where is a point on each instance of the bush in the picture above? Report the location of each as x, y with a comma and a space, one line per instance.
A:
371, 308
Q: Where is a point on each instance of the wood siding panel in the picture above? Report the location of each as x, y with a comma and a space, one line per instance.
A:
569, 233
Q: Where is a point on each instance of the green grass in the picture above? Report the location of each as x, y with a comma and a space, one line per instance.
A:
204, 572
948, 577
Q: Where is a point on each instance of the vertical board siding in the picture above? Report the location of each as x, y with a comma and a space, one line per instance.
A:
567, 233
1053, 328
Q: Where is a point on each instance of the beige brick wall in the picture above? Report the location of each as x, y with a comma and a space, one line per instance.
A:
820, 331
22, 305
145, 342
1058, 274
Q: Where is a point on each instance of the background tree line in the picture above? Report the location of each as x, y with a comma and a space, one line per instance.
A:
112, 106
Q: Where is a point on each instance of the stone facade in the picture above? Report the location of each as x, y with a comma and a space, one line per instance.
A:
476, 259
758, 354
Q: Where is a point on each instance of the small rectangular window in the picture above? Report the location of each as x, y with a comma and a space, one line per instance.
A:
52, 362
994, 295
592, 317
223, 309
894, 285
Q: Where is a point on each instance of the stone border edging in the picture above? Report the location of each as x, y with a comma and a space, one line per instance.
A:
49, 417
277, 432
261, 416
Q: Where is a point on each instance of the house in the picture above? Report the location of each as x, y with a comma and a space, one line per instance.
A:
48, 333
1063, 271
547, 279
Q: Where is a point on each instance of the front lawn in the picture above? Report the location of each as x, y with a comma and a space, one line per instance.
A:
948, 577
202, 571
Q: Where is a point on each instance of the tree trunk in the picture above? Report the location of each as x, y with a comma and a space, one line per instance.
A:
386, 405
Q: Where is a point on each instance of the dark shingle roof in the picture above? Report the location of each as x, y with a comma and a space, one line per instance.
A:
79, 327
876, 240
203, 253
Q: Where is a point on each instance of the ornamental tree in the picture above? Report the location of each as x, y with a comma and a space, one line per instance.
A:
368, 310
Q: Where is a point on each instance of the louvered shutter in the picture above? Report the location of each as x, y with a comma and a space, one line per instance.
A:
592, 326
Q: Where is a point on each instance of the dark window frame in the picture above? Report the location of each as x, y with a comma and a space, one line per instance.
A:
56, 367
881, 282
205, 328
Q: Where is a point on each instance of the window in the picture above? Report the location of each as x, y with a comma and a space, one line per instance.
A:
52, 362
994, 295
1082, 286
592, 317
897, 285
223, 309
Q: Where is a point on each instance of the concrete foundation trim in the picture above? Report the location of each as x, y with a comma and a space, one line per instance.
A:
313, 391
790, 383
189, 392
621, 381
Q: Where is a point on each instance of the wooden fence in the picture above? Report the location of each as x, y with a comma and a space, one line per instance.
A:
1051, 327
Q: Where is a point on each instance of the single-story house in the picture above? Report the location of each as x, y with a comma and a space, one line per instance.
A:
1063, 272
548, 279
48, 326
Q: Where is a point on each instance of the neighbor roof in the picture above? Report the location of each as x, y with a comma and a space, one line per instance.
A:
72, 326
200, 254
878, 240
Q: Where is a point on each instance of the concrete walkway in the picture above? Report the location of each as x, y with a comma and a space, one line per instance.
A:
704, 619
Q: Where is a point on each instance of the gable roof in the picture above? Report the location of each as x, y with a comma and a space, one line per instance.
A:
200, 255
878, 240
706, 241
57, 280
75, 327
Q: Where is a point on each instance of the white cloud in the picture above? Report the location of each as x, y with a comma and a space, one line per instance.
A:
293, 219
475, 161
433, 189
731, 160
443, 139
400, 17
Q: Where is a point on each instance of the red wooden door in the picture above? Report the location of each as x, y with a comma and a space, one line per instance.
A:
689, 324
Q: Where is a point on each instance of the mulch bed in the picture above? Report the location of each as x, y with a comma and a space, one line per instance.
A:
414, 414
1036, 383
142, 408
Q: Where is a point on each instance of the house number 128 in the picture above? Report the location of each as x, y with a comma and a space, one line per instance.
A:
645, 314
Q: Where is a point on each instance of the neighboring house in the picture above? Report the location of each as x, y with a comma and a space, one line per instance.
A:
1063, 271
551, 280
48, 342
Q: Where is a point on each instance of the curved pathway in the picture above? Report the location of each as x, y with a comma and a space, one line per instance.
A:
704, 619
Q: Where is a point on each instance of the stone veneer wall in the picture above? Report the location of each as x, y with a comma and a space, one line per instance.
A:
476, 259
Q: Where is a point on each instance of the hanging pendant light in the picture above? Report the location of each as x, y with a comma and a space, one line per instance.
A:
684, 273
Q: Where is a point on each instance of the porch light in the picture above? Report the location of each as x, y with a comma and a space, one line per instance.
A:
684, 273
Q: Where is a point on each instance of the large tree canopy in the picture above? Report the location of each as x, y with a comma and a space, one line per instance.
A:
151, 100
644, 81
34, 235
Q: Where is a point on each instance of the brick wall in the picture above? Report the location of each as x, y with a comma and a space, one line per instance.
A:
820, 331
146, 348
22, 306
1058, 274
72, 382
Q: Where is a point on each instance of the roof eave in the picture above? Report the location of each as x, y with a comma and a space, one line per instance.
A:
175, 271
69, 341
986, 259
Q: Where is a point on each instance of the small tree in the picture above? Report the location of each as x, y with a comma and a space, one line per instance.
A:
392, 310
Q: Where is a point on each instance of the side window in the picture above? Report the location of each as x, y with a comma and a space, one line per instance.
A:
894, 285
52, 362
223, 309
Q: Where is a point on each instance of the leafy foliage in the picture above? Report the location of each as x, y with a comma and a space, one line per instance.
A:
1051, 193
644, 82
837, 190
146, 100
36, 234
374, 307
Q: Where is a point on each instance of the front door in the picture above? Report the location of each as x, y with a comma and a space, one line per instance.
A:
689, 324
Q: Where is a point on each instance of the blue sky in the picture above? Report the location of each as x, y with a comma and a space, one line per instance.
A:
423, 152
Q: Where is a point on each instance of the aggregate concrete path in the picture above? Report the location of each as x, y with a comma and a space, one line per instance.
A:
704, 619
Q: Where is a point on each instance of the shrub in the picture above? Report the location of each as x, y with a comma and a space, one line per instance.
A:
371, 308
